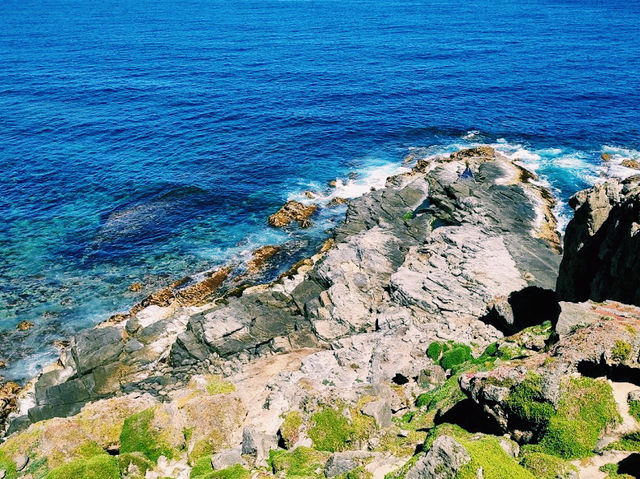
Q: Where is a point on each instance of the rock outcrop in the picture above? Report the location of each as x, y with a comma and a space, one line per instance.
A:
318, 362
292, 211
602, 244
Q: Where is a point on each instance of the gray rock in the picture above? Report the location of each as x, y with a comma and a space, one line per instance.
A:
633, 395
343, 462
442, 461
602, 245
574, 316
21, 461
339, 464
432, 375
227, 458
510, 447
601, 445
3, 473
95, 347
257, 444
380, 410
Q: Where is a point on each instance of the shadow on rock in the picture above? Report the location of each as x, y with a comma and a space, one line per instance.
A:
528, 307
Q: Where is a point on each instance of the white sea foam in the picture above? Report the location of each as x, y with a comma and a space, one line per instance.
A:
372, 177
613, 167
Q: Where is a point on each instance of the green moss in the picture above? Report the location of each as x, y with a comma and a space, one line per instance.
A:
98, 467
457, 355
609, 468
201, 467
8, 465
491, 350
332, 431
302, 462
290, 428
449, 354
233, 472
416, 420
544, 466
485, 452
401, 445
621, 351
136, 459
88, 449
434, 351
510, 351
628, 442
138, 436
217, 386
527, 402
408, 215
494, 461
586, 409
634, 409
445, 396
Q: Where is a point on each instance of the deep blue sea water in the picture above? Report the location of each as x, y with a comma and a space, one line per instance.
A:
145, 140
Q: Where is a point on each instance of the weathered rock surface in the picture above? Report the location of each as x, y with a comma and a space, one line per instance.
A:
602, 244
348, 328
595, 339
443, 460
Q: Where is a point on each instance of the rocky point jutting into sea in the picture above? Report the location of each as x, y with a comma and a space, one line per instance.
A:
440, 333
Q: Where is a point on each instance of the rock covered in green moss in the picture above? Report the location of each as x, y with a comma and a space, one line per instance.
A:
451, 452
150, 433
96, 467
339, 429
444, 459
290, 428
302, 462
545, 466
634, 404
569, 429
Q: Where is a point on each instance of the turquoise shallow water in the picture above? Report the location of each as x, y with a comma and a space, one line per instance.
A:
142, 141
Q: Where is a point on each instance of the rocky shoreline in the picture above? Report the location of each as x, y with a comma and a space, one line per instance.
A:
424, 339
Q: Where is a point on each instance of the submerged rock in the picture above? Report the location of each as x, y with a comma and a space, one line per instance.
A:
633, 164
24, 325
261, 256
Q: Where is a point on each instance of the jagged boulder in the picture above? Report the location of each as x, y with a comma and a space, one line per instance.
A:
602, 245
443, 460
534, 398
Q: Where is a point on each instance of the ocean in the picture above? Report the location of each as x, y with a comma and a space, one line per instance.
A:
142, 141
